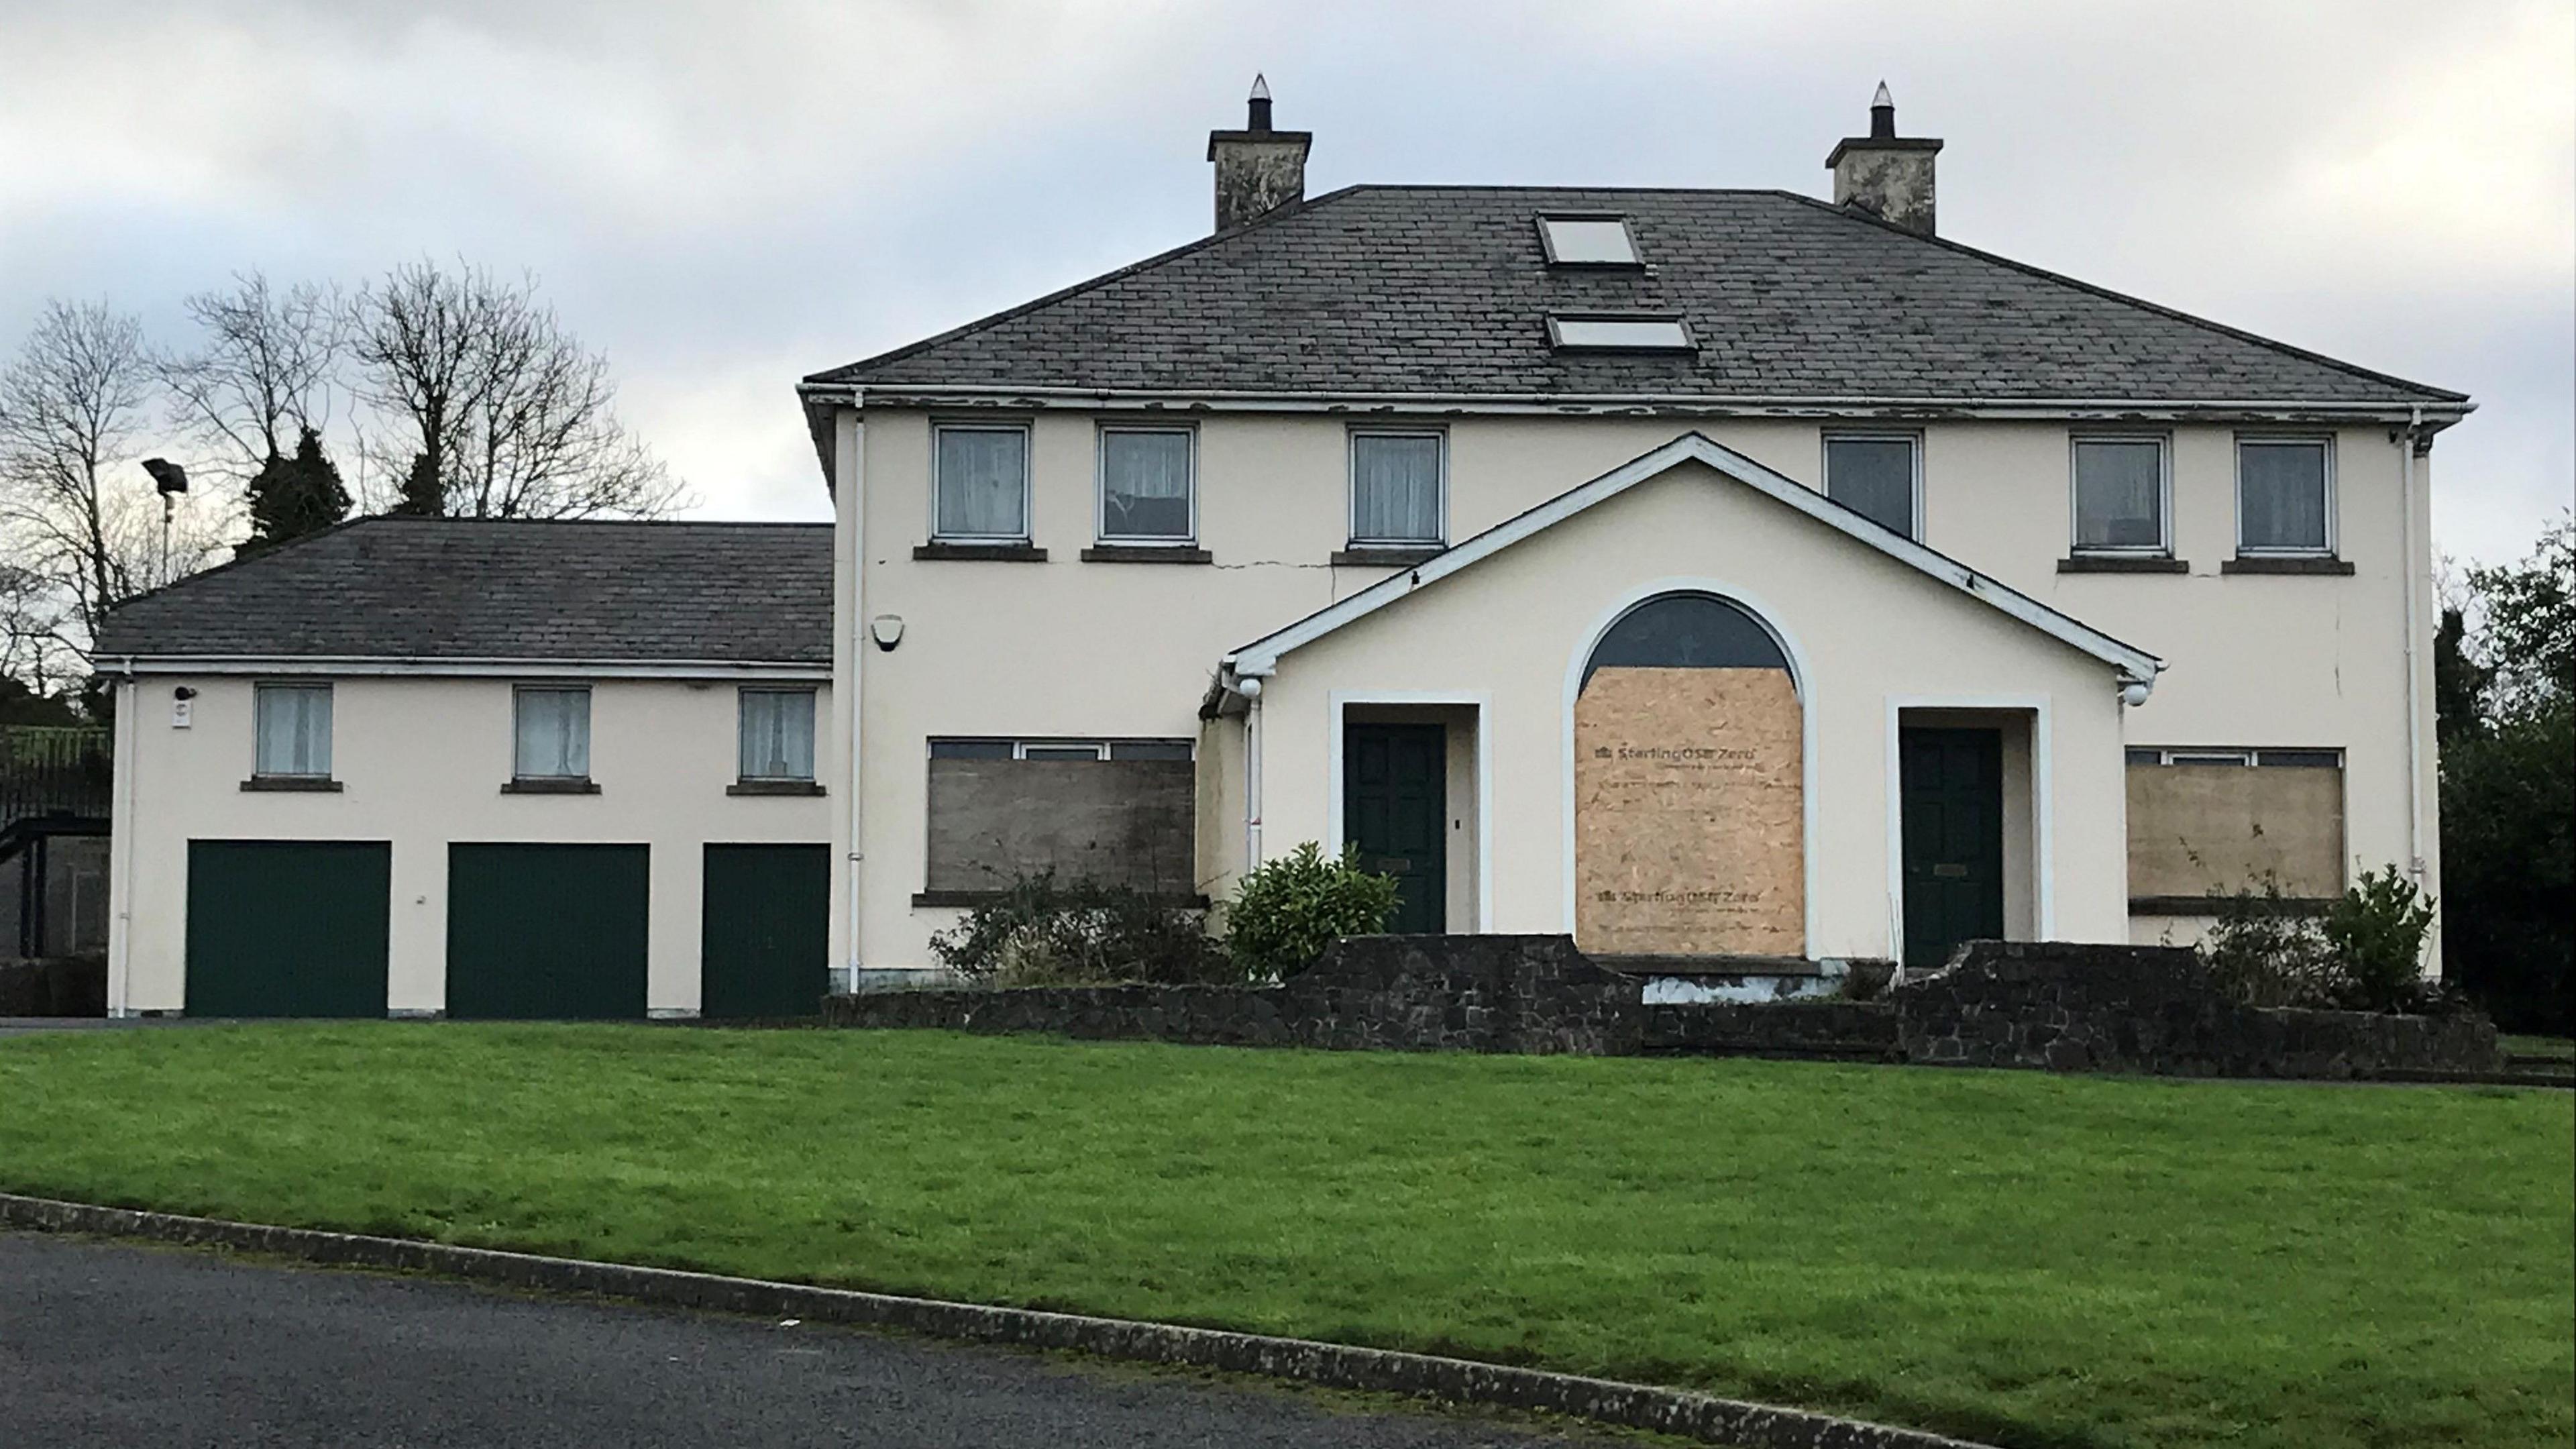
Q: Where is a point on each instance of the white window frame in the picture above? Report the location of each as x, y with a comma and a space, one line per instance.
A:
742, 721
589, 717
2325, 443
2245, 756
2163, 547
1351, 485
1102, 747
259, 693
1100, 487
1557, 337
1547, 240
1028, 477
1825, 463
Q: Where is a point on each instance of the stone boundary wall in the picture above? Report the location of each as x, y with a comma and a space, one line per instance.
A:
2049, 1006
1522, 994
1843, 1030
2153, 1009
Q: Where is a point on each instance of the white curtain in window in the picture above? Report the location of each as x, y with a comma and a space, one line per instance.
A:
1145, 485
293, 725
1395, 488
2119, 494
778, 734
2281, 495
983, 483
554, 734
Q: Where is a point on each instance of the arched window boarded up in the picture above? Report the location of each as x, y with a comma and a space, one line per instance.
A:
1689, 787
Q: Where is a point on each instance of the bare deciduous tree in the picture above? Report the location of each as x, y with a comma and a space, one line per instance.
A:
265, 369
78, 513
503, 412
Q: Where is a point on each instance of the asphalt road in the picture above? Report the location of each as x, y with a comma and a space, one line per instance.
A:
114, 1344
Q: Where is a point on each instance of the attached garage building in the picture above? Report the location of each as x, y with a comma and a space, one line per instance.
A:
478, 769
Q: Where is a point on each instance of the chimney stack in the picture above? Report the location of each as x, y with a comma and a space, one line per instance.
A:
1258, 170
1884, 174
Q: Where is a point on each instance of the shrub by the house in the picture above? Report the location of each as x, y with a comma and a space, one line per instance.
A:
2363, 953
1288, 910
1042, 931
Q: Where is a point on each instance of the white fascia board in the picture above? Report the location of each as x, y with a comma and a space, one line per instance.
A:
1261, 657
361, 666
928, 395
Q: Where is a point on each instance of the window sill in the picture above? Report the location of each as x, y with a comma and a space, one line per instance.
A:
774, 787
980, 552
2118, 563
2285, 564
1386, 556
550, 786
292, 784
1145, 553
2212, 905
985, 898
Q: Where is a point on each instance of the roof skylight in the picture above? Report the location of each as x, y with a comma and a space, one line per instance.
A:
1618, 334
1587, 241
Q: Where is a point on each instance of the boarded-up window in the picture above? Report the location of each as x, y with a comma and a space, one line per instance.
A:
2222, 820
1119, 811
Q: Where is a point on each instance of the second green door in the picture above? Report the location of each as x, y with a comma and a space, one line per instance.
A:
546, 932
767, 932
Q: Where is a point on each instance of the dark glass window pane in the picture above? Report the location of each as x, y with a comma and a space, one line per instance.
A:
1061, 752
970, 749
1686, 631
2119, 494
2281, 496
2146, 757
1150, 750
1873, 477
2299, 759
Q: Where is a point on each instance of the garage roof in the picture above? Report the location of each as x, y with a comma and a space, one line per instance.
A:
437, 589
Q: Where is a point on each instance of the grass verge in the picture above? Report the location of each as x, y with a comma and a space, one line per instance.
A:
2033, 1260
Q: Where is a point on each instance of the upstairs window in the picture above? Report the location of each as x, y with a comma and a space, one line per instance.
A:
982, 486
293, 728
2120, 496
778, 734
1879, 476
2284, 496
553, 729
1587, 241
1397, 487
1147, 491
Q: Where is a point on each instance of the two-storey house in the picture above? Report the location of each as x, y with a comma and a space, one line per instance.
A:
1698, 571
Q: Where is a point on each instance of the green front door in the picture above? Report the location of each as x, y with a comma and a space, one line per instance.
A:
288, 927
546, 932
1394, 806
1953, 813
768, 920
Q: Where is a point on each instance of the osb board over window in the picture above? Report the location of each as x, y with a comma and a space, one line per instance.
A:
1119, 822
1689, 813
2198, 828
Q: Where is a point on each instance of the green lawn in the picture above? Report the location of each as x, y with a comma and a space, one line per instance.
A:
2029, 1259
2540, 1046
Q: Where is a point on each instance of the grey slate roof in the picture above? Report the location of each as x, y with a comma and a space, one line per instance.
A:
1444, 290
414, 588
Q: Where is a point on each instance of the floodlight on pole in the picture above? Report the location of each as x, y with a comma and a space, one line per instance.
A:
171, 480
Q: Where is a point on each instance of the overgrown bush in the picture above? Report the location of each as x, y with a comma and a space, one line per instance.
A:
1042, 931
1288, 910
2364, 953
2376, 936
2265, 949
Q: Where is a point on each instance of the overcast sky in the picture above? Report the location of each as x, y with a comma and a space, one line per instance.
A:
727, 196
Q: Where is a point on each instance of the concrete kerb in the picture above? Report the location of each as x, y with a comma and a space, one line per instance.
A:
1704, 1417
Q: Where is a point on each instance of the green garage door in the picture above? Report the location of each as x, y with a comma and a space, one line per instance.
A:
287, 927
768, 923
546, 932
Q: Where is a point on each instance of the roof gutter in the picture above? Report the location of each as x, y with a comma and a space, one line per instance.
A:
359, 666
819, 399
2433, 414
